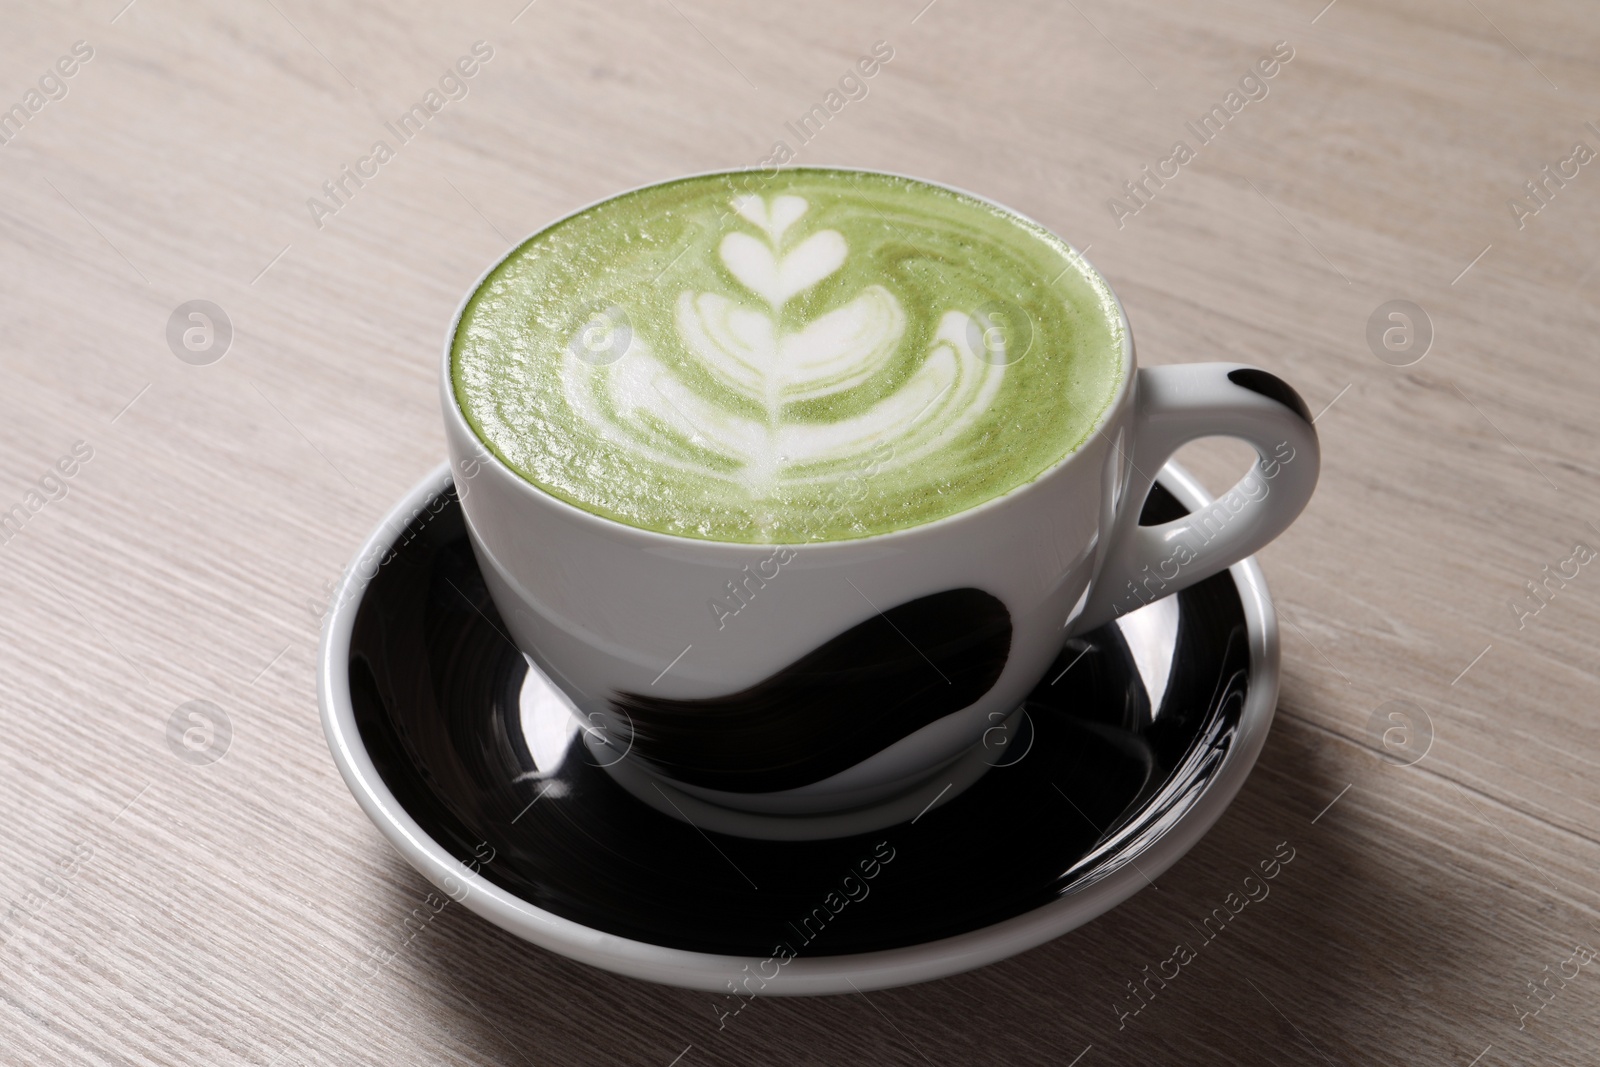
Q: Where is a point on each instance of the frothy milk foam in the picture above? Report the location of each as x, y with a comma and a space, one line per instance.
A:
818, 355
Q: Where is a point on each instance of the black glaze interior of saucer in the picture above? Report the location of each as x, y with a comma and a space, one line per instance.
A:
436, 683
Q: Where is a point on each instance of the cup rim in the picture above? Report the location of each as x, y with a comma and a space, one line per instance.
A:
453, 411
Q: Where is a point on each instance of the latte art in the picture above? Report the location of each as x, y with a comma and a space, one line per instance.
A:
741, 343
704, 360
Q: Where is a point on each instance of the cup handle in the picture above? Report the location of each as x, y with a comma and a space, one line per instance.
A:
1174, 405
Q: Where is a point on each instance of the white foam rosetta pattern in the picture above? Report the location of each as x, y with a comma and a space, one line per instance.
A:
646, 407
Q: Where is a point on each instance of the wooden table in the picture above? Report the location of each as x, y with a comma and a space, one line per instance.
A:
162, 911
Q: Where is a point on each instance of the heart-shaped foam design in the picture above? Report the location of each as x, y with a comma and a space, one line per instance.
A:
775, 218
776, 280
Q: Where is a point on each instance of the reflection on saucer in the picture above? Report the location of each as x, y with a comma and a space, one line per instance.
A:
1152, 636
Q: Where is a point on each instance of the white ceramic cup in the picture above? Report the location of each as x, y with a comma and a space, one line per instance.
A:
700, 659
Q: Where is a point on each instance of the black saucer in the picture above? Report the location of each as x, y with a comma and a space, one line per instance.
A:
434, 692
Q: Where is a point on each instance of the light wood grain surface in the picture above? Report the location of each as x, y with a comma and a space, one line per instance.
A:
245, 911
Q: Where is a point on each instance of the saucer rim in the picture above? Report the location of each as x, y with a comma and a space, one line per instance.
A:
801, 976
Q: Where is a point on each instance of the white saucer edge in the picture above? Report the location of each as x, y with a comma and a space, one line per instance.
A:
802, 976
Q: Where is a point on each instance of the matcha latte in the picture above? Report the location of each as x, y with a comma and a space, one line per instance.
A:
813, 356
